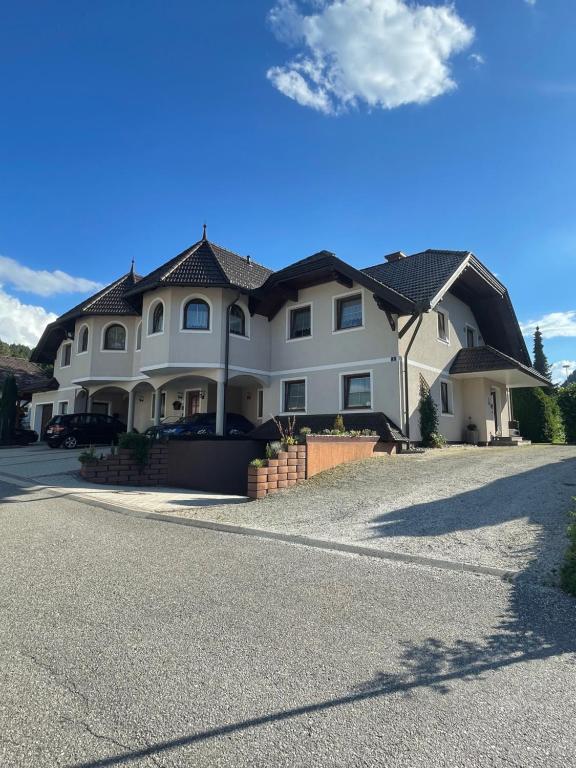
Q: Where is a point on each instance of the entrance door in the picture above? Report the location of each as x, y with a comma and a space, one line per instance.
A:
45, 418
192, 402
494, 400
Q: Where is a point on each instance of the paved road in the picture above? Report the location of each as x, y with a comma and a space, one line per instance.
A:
134, 642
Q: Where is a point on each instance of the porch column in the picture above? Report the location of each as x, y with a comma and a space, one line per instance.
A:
131, 399
220, 408
89, 403
157, 405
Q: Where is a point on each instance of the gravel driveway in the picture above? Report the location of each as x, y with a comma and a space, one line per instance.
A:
504, 507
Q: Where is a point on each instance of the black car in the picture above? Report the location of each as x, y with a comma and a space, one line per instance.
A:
75, 429
201, 424
23, 436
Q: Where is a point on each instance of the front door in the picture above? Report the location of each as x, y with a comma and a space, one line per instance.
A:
192, 402
45, 417
494, 400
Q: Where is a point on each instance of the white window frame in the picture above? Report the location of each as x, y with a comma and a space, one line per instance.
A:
450, 387
289, 311
60, 403
469, 327
260, 410
282, 397
191, 297
446, 316
345, 374
103, 338
150, 318
68, 364
244, 309
83, 327
348, 294
138, 329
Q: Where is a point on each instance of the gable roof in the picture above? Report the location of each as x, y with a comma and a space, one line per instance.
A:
29, 376
421, 276
205, 264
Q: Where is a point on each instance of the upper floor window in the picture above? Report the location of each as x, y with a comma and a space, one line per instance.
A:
357, 391
300, 322
442, 320
197, 315
237, 321
66, 355
115, 338
349, 312
157, 322
83, 340
139, 336
294, 396
470, 337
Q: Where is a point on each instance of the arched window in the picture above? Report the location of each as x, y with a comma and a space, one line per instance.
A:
139, 336
115, 337
197, 315
83, 340
237, 321
157, 324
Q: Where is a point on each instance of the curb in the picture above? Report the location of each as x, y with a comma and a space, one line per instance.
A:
288, 538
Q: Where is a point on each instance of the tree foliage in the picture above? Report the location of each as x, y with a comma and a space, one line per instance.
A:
428, 415
567, 403
539, 415
14, 350
8, 409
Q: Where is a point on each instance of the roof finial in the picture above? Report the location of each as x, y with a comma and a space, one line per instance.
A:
132, 268
204, 231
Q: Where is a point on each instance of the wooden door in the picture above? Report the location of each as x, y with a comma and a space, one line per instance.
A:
192, 402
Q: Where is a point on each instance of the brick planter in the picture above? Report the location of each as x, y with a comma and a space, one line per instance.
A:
285, 470
122, 469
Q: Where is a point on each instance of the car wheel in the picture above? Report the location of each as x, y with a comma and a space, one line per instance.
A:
70, 442
52, 445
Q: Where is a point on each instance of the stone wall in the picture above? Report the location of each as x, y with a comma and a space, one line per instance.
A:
122, 469
282, 472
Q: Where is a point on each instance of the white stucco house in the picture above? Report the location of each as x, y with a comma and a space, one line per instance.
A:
319, 337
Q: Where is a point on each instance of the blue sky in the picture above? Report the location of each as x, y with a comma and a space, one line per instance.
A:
375, 126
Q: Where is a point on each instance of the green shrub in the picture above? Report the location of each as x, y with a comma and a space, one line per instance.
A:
88, 456
305, 431
138, 444
567, 403
428, 416
8, 409
258, 463
568, 570
436, 440
273, 449
539, 416
338, 425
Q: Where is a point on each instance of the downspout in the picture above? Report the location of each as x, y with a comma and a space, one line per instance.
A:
406, 381
227, 355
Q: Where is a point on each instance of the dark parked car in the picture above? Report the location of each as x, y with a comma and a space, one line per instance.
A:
199, 425
25, 436
75, 429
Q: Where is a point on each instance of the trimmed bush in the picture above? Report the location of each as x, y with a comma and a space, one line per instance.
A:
429, 432
8, 409
138, 444
567, 403
539, 416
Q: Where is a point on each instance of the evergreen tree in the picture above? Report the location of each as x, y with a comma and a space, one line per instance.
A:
428, 415
8, 409
540, 360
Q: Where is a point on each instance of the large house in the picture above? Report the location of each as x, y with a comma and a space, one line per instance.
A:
318, 337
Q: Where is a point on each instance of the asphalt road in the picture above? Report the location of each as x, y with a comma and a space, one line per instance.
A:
126, 641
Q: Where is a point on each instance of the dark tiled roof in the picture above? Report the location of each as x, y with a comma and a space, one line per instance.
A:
486, 358
29, 376
109, 301
378, 422
420, 276
206, 264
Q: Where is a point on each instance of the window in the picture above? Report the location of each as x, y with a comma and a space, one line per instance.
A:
237, 321
115, 338
357, 391
63, 407
157, 325
446, 398
162, 404
470, 342
197, 315
294, 396
83, 340
260, 404
139, 336
348, 312
66, 353
300, 323
442, 326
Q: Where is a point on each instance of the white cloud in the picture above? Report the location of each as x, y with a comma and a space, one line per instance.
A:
21, 323
384, 53
553, 325
40, 281
561, 370
477, 59
530, 2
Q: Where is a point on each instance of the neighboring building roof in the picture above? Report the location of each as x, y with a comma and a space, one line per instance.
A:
206, 264
421, 276
486, 358
29, 376
378, 422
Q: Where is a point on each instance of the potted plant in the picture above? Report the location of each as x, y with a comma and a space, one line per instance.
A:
472, 434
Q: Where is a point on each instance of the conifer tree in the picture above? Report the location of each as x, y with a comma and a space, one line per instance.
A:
540, 360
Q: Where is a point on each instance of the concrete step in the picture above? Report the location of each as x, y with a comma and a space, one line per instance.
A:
512, 442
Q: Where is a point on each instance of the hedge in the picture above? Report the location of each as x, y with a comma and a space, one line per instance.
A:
567, 403
539, 416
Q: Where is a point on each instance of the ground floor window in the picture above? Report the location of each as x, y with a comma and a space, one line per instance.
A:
357, 391
446, 398
294, 396
63, 407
